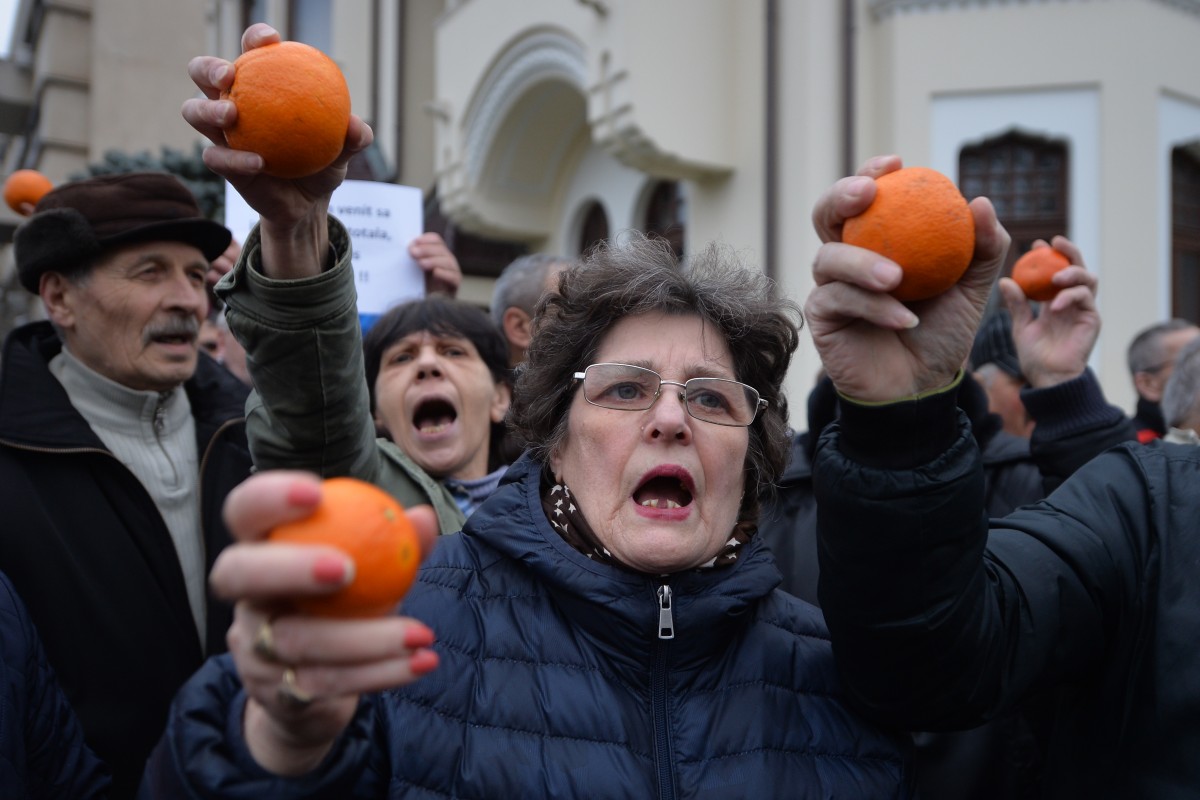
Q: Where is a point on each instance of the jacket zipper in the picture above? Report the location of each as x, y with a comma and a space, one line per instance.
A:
160, 413
658, 695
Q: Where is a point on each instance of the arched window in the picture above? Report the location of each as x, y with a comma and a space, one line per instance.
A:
666, 214
1185, 232
1025, 177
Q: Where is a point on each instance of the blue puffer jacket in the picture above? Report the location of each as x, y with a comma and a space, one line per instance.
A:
42, 752
554, 682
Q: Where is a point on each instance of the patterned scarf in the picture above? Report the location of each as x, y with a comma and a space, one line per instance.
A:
566, 518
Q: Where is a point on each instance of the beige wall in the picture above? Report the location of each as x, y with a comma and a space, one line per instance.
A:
1127, 53
138, 74
417, 94
598, 105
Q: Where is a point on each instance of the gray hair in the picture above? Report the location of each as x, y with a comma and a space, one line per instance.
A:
1181, 397
1146, 352
520, 283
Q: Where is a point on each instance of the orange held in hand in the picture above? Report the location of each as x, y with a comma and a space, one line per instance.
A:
24, 188
1034, 272
921, 221
369, 525
293, 108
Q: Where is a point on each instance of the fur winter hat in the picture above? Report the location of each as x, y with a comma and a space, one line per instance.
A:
78, 221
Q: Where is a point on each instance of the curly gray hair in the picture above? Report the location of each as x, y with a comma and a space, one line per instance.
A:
638, 276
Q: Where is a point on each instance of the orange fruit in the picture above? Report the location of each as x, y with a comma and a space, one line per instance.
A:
25, 186
368, 525
921, 221
293, 108
1034, 271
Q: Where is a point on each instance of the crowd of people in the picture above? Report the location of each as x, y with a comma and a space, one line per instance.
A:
968, 577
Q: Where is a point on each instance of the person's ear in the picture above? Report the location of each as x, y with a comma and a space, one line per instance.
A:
59, 296
501, 400
517, 328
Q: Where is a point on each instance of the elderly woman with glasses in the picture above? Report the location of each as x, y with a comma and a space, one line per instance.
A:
606, 624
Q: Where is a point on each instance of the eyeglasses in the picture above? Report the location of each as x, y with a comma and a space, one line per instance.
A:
624, 387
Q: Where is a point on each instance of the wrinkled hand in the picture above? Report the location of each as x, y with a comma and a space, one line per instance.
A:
442, 273
288, 208
871, 344
333, 660
1055, 346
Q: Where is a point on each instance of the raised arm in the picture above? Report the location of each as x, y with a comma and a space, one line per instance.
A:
1075, 422
873, 347
293, 212
936, 621
292, 305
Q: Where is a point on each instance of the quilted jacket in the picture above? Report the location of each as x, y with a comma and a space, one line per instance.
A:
555, 681
42, 753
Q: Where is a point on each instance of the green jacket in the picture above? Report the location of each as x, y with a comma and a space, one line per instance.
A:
310, 409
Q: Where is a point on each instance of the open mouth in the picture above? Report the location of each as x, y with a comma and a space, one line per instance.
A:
663, 492
434, 416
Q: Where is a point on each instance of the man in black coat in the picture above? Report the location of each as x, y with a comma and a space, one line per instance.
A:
118, 444
941, 618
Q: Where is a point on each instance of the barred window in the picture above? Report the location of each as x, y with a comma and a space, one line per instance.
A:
1025, 177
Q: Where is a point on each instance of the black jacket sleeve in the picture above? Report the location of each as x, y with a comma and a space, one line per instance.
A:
202, 753
1075, 423
57, 761
938, 622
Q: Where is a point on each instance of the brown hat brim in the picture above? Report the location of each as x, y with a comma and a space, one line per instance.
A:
76, 222
62, 239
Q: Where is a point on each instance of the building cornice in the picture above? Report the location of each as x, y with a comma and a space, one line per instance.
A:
881, 9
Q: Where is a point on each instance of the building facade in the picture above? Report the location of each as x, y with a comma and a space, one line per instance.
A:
544, 125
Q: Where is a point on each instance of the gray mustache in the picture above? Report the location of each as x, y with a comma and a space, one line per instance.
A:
176, 326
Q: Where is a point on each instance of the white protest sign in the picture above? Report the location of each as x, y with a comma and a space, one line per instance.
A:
382, 219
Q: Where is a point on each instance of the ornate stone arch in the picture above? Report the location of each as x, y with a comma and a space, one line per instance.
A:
522, 129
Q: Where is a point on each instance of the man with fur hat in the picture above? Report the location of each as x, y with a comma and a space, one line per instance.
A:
118, 444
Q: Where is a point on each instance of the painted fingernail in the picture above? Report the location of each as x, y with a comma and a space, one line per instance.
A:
418, 635
335, 570
423, 662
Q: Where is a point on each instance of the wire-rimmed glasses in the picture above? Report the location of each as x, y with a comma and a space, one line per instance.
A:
625, 387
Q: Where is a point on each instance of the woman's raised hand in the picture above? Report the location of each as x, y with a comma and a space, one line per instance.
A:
292, 210
875, 348
303, 675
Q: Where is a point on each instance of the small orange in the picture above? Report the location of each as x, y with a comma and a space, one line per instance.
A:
921, 221
368, 525
1034, 271
293, 108
25, 186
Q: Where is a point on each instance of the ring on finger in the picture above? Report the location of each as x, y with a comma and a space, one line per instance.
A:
292, 695
264, 643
